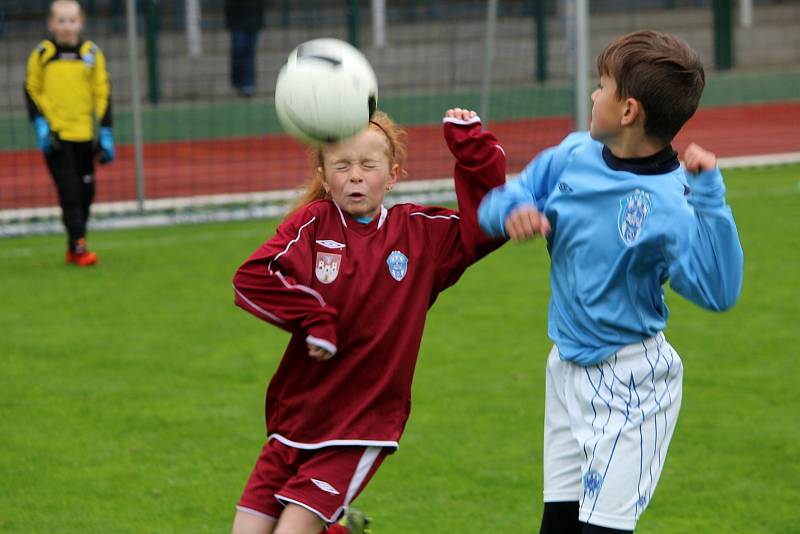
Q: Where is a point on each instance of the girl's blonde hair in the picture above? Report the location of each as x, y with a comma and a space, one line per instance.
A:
398, 150
54, 2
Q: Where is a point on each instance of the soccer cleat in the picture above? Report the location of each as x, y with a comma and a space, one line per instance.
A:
80, 256
356, 522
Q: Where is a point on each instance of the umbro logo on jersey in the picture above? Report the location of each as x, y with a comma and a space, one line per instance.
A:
324, 486
564, 187
330, 243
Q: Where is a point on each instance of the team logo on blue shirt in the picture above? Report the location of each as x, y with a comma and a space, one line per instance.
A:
398, 265
633, 212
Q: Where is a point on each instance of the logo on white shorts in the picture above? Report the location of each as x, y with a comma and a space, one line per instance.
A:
592, 482
324, 486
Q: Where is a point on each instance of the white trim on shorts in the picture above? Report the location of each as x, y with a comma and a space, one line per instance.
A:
334, 443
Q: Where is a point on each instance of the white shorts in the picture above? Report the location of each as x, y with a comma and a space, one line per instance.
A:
607, 429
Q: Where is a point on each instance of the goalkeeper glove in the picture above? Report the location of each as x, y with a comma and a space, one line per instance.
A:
106, 142
42, 129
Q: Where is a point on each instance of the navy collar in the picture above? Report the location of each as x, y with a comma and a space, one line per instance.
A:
66, 49
662, 162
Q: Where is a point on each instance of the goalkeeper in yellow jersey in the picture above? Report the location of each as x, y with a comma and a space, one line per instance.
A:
68, 95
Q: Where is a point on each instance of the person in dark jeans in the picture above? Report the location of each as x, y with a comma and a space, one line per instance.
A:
244, 19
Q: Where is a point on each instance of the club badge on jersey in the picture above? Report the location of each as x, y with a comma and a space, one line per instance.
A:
327, 267
89, 57
633, 212
398, 265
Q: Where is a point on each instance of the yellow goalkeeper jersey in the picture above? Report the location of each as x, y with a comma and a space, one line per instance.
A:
69, 86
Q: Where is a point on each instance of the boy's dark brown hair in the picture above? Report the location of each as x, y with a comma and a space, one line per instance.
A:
662, 72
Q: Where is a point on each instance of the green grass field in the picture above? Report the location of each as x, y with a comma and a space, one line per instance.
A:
131, 395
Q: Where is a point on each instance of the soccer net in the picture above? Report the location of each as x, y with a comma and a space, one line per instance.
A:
210, 152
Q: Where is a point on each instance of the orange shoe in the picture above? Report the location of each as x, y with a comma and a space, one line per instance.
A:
81, 256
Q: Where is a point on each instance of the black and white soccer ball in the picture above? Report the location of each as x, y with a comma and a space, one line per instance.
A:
326, 91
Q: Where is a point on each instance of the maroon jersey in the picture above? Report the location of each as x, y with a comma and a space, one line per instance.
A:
363, 291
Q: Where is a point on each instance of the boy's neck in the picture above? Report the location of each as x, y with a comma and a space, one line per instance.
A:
634, 143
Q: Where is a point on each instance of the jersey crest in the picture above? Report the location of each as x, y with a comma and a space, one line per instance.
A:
89, 58
398, 265
327, 268
88, 53
633, 212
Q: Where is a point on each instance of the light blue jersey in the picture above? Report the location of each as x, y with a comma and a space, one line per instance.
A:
617, 236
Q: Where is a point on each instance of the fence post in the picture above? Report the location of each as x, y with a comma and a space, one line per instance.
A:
488, 58
540, 17
136, 112
152, 23
582, 112
352, 22
723, 34
285, 13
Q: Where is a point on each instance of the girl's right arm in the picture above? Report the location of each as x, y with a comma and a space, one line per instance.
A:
274, 284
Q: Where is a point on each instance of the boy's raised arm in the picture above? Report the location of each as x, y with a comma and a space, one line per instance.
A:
709, 271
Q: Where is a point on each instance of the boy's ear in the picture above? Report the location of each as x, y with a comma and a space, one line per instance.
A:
631, 111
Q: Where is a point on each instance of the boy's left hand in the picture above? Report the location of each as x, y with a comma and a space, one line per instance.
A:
697, 159
318, 353
44, 137
106, 142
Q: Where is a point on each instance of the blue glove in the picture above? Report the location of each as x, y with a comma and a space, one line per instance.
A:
106, 145
42, 135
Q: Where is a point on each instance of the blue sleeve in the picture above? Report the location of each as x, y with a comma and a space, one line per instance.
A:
532, 187
709, 269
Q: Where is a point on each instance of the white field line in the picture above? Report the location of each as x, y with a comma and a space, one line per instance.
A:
154, 240
759, 161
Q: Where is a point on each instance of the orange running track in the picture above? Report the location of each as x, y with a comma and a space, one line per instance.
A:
239, 165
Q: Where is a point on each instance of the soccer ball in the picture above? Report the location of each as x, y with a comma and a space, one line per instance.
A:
326, 91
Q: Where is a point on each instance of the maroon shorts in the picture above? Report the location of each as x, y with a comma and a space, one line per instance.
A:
323, 481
